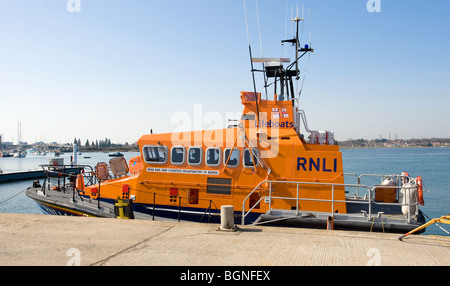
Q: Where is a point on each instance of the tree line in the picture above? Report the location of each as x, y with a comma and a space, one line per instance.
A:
97, 143
103, 145
420, 142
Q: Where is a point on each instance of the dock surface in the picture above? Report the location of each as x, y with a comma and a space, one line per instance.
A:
30, 239
21, 175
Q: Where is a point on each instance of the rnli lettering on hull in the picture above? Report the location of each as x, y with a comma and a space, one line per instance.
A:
183, 171
317, 164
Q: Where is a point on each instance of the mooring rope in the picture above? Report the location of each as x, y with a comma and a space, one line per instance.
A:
436, 236
12, 196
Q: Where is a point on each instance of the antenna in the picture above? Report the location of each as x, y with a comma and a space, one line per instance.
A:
274, 68
285, 28
297, 19
309, 21
307, 49
260, 45
259, 27
292, 17
251, 63
303, 17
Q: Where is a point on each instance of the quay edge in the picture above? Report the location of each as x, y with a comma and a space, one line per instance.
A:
31, 239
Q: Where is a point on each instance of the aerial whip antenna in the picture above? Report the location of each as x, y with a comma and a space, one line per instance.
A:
251, 64
307, 64
309, 21
259, 28
297, 19
285, 28
292, 16
260, 46
303, 13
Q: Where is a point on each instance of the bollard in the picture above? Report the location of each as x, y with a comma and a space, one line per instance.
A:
330, 223
123, 208
227, 218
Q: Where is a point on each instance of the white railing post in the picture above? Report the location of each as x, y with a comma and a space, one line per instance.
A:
332, 201
270, 197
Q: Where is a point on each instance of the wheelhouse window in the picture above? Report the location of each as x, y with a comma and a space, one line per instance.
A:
234, 157
195, 155
213, 156
155, 154
178, 155
250, 162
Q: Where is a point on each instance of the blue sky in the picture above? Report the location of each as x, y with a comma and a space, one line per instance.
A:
117, 69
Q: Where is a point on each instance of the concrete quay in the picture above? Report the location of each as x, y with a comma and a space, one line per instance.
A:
44, 240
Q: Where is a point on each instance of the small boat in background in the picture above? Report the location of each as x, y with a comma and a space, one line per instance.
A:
20, 154
5, 154
116, 154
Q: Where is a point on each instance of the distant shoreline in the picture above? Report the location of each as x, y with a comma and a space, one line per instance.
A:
398, 143
388, 147
112, 147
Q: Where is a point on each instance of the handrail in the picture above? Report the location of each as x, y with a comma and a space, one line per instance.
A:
305, 123
60, 170
369, 201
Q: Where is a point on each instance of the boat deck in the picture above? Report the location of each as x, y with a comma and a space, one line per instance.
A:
348, 221
65, 201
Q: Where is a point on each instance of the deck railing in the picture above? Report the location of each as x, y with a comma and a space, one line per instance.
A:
368, 198
60, 173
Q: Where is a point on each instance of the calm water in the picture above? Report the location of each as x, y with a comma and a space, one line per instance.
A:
23, 204
432, 164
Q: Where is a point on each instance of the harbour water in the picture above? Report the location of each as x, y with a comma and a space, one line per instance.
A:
21, 203
432, 164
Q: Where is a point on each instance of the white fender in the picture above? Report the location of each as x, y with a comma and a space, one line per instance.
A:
409, 198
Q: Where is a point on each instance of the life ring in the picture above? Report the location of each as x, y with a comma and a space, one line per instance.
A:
404, 177
420, 190
79, 184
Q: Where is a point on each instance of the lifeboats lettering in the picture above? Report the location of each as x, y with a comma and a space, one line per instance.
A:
276, 124
182, 171
317, 164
